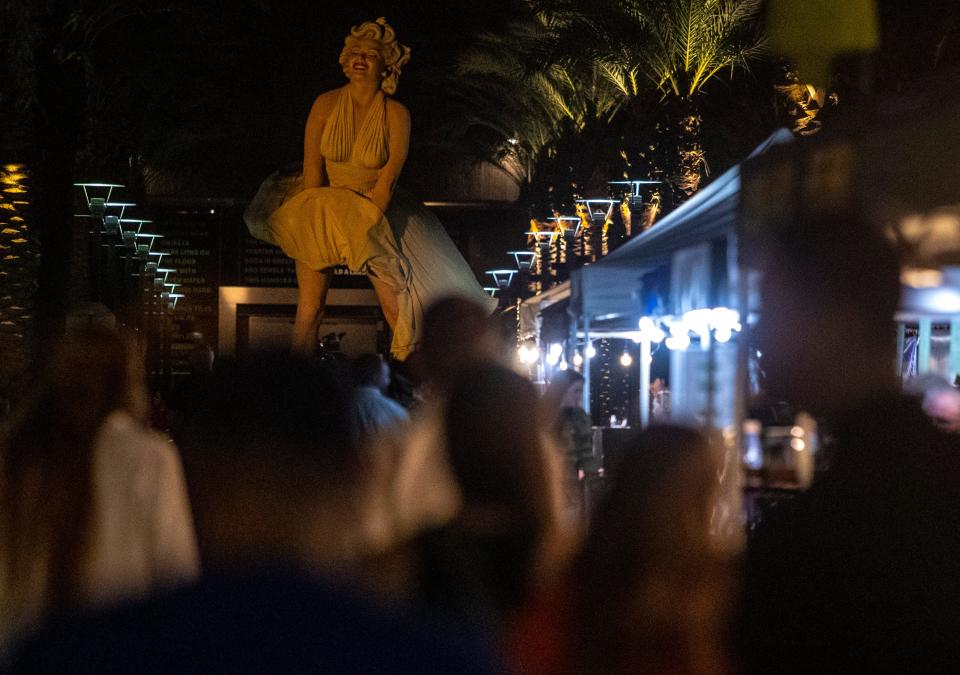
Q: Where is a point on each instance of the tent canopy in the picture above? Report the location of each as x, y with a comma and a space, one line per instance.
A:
612, 288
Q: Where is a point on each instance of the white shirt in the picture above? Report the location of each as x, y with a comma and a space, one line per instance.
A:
141, 534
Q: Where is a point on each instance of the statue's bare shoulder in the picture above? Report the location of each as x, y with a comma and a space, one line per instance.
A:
324, 103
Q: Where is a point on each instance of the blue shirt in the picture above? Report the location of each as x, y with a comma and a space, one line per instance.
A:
376, 411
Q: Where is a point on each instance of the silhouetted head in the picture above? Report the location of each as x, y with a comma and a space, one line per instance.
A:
496, 444
200, 359
647, 599
370, 370
269, 440
94, 363
457, 333
564, 391
830, 290
508, 475
276, 409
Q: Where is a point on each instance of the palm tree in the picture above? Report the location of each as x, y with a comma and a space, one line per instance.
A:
46, 93
576, 89
75, 84
674, 47
517, 102
19, 259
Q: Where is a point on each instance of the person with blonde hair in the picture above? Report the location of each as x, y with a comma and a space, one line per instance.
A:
346, 210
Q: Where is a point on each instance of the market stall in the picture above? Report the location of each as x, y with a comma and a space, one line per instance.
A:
678, 286
676, 291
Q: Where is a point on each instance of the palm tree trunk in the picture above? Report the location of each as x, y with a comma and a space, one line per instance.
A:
692, 161
19, 259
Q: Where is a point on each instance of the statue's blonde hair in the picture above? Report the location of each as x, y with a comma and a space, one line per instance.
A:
395, 55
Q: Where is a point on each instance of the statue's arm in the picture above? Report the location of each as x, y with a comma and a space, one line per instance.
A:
314, 174
398, 123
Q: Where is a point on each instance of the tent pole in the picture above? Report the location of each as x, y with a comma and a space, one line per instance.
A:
645, 354
901, 341
954, 349
586, 364
924, 339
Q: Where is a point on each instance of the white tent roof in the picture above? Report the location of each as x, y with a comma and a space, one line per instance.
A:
612, 287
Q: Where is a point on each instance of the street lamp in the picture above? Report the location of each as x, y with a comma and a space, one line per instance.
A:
502, 278
523, 259
634, 185
97, 205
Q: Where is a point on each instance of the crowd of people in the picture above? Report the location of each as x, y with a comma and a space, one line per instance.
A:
304, 521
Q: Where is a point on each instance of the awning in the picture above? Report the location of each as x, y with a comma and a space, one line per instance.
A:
613, 288
532, 309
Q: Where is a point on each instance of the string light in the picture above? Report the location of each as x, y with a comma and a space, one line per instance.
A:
554, 354
650, 331
528, 354
718, 323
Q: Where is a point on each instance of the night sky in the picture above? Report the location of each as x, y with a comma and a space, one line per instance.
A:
241, 76
292, 56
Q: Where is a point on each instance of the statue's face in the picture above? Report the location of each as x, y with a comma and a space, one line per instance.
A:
364, 61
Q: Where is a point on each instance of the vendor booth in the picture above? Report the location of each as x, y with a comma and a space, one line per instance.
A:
675, 283
685, 291
674, 292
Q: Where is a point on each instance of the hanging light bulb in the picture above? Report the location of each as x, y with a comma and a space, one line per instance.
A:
523, 354
679, 336
591, 351
626, 359
554, 354
650, 331
564, 365
577, 360
678, 342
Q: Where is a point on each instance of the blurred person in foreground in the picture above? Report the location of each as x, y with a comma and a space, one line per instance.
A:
375, 410
648, 592
411, 486
941, 402
273, 462
859, 573
93, 505
505, 537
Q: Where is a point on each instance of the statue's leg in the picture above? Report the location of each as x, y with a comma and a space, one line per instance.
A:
388, 300
312, 288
